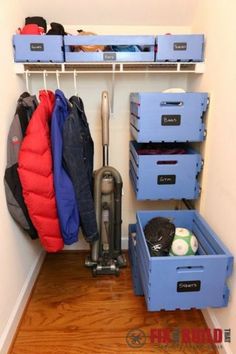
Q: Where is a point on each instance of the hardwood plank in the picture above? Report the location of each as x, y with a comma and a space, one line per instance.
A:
71, 312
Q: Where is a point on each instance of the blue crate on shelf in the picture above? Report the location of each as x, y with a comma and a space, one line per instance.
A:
198, 281
182, 48
137, 285
169, 117
120, 48
36, 48
164, 176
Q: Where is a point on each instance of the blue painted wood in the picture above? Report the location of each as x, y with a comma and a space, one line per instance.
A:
144, 43
169, 117
109, 40
137, 285
162, 274
180, 47
145, 173
36, 48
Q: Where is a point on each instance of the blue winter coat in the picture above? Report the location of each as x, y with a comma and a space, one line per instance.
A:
65, 195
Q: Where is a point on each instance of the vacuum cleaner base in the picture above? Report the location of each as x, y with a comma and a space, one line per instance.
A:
111, 267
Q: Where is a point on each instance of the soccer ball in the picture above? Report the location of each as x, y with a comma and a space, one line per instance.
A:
184, 243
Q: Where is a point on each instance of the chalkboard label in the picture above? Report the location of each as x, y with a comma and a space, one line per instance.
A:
188, 286
109, 56
170, 119
37, 47
180, 46
166, 179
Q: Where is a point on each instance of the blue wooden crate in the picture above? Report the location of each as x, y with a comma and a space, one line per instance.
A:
143, 44
36, 48
164, 176
182, 48
198, 281
137, 285
169, 117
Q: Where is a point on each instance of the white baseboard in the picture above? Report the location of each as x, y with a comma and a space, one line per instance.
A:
212, 322
124, 243
16, 314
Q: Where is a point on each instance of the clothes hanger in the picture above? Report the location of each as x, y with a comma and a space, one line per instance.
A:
75, 84
27, 81
44, 80
58, 80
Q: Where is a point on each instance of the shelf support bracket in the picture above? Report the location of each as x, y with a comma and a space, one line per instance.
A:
58, 79
27, 80
75, 83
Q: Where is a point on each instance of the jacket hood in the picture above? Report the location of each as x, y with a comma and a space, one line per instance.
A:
61, 100
28, 101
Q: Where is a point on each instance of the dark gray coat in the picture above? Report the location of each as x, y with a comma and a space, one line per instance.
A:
26, 105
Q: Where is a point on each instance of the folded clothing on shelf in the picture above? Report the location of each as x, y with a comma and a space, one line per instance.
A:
158, 149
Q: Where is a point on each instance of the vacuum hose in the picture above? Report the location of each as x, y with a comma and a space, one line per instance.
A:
105, 115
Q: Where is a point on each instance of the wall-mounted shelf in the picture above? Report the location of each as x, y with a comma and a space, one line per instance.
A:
114, 68
105, 67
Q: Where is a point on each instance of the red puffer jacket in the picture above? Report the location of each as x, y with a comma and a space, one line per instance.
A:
36, 176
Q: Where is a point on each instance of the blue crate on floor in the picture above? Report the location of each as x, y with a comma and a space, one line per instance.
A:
137, 285
169, 117
164, 176
144, 46
182, 48
36, 48
198, 281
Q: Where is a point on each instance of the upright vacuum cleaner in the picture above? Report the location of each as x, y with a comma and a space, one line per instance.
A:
106, 255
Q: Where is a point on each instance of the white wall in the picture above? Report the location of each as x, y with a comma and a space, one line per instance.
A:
18, 254
218, 200
111, 12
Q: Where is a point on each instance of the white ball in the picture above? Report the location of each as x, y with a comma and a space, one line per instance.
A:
184, 244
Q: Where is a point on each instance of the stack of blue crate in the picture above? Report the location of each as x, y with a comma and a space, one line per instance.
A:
156, 119
164, 166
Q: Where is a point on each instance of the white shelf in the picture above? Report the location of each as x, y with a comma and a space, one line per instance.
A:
106, 68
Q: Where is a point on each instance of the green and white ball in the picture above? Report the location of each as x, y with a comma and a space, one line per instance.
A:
184, 244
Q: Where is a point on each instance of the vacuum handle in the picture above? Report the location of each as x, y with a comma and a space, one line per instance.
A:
105, 114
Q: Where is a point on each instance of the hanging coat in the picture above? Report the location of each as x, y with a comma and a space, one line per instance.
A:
65, 194
36, 176
78, 158
26, 105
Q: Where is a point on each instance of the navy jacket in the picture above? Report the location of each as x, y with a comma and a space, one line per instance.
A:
65, 194
78, 156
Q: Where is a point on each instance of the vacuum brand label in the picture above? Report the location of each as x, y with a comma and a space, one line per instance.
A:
109, 56
180, 46
166, 179
188, 286
37, 47
170, 119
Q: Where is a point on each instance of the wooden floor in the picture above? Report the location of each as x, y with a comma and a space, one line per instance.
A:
71, 312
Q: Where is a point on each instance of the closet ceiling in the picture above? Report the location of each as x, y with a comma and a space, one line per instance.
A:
113, 12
